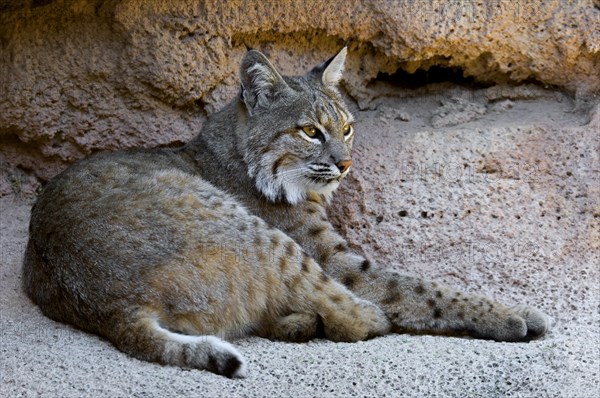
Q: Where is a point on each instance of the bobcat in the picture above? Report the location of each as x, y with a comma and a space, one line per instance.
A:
161, 251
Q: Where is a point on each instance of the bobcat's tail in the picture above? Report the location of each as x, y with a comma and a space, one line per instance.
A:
143, 337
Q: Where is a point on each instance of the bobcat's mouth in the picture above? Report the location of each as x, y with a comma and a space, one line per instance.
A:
326, 174
295, 183
328, 180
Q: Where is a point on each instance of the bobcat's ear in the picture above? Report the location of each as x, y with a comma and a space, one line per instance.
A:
330, 71
261, 83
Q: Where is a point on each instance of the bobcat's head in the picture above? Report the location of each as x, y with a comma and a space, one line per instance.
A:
297, 133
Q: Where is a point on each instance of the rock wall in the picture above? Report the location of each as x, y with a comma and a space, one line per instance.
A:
87, 75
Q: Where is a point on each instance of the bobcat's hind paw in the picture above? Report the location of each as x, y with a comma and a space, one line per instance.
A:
296, 327
537, 322
366, 321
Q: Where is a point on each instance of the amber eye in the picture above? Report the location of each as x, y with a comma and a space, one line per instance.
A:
347, 129
310, 131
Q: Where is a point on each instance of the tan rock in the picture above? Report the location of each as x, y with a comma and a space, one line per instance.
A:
83, 76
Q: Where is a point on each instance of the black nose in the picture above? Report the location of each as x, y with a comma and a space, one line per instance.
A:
344, 165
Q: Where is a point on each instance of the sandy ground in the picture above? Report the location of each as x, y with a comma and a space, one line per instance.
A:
490, 190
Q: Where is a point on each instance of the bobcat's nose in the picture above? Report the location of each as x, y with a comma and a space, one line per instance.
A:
344, 165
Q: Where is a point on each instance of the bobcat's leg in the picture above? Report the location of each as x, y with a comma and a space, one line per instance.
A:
411, 304
274, 277
311, 294
414, 304
142, 336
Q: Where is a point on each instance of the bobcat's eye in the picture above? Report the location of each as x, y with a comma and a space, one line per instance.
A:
347, 130
312, 134
310, 131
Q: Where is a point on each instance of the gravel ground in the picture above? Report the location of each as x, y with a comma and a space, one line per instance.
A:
501, 197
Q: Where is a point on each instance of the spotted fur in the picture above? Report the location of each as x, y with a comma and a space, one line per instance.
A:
169, 252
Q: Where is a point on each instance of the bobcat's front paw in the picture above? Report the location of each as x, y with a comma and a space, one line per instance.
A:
363, 321
537, 322
520, 323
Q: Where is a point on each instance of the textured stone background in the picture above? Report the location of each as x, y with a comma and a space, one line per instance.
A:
87, 75
493, 187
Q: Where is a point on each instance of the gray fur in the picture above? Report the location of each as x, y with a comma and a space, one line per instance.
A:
161, 250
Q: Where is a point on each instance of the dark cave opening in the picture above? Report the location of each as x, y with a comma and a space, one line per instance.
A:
439, 74
423, 77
